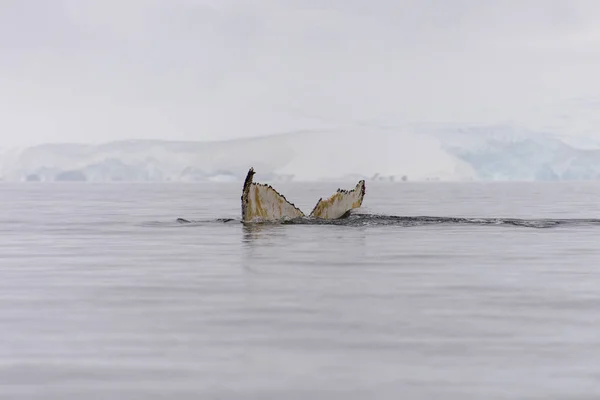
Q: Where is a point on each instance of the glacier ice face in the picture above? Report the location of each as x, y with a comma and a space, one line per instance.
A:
505, 153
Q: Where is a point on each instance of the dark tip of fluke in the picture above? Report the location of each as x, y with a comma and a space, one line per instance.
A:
246, 189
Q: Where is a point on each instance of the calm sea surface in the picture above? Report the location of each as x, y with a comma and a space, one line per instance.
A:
104, 296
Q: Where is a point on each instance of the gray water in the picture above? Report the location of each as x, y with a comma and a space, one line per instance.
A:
104, 296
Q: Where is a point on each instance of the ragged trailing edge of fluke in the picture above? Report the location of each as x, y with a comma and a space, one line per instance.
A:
262, 203
340, 203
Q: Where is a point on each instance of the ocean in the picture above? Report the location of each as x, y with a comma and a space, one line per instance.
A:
104, 295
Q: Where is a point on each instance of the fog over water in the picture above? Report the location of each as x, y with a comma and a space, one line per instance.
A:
97, 71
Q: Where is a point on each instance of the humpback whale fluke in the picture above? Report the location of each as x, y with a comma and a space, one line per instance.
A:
340, 203
263, 203
260, 202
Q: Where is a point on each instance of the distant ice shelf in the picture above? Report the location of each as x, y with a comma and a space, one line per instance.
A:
386, 155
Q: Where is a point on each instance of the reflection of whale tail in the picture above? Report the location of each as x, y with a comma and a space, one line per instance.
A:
261, 202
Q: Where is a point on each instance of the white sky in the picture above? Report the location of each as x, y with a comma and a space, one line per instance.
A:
97, 70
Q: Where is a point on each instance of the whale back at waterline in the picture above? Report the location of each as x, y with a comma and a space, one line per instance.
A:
262, 203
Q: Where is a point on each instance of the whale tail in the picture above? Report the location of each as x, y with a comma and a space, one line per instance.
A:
262, 203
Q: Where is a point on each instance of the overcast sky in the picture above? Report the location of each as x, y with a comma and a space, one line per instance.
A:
96, 70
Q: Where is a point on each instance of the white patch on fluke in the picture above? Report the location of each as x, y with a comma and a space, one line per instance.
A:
262, 203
